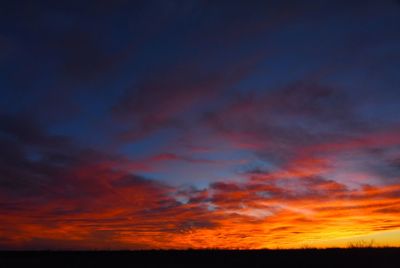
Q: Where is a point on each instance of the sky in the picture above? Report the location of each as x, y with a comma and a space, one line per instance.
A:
199, 124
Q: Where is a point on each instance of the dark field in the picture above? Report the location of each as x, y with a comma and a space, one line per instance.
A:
382, 257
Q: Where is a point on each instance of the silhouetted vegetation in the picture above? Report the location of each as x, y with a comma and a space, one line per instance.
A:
350, 257
362, 244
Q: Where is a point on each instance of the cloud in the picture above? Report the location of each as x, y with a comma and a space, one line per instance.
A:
81, 192
170, 97
23, 129
51, 186
98, 205
277, 123
291, 157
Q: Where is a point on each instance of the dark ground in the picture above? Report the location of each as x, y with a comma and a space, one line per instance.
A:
384, 257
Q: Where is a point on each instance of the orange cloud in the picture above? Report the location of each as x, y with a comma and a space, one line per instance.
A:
118, 210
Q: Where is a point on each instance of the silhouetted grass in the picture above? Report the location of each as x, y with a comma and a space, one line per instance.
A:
351, 257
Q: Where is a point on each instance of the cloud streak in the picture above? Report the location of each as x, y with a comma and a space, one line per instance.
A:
198, 125
86, 201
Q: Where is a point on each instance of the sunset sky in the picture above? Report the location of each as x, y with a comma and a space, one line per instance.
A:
199, 124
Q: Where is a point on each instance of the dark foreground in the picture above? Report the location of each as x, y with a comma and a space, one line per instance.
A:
385, 257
